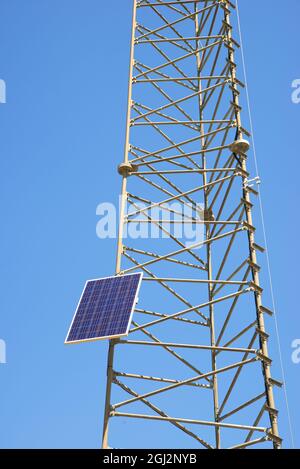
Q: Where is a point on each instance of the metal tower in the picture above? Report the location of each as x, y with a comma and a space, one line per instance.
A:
196, 359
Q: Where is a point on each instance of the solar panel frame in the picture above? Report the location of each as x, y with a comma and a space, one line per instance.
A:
93, 339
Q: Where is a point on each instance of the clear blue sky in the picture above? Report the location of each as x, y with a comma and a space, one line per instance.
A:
65, 65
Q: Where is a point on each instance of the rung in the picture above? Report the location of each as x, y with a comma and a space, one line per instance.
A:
248, 226
262, 334
247, 203
254, 266
258, 247
272, 410
255, 287
275, 382
250, 189
263, 309
274, 438
263, 358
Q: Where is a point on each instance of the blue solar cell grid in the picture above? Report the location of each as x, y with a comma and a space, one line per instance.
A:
105, 308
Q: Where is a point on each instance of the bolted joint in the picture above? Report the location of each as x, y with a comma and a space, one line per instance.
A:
274, 438
125, 169
208, 215
240, 146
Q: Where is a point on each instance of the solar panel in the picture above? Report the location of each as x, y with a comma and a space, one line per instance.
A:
105, 308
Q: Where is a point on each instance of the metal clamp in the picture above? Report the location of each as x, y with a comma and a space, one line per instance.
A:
252, 182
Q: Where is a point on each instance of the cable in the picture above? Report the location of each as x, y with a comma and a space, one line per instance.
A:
265, 233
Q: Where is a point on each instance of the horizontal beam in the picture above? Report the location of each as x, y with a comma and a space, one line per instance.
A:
191, 346
183, 171
184, 222
227, 121
154, 80
194, 280
178, 39
191, 421
182, 2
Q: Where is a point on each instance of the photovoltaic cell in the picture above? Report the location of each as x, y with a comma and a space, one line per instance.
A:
105, 308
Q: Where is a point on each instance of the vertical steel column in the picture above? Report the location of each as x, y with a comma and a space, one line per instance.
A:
253, 257
124, 172
207, 237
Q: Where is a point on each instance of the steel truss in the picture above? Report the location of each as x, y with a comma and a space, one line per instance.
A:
196, 358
